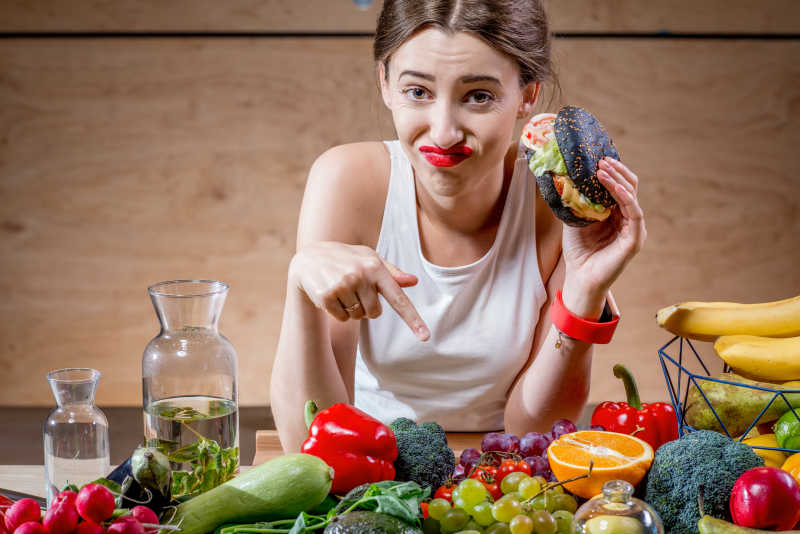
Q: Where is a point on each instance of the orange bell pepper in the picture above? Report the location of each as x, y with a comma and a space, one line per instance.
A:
792, 466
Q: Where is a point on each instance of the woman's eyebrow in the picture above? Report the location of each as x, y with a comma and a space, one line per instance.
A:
469, 78
417, 74
472, 78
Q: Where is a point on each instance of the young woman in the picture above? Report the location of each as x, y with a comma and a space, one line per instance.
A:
425, 266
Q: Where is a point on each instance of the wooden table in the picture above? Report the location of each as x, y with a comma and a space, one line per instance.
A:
268, 445
30, 478
23, 478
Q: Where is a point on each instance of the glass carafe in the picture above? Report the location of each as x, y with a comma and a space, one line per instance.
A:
189, 378
616, 511
75, 433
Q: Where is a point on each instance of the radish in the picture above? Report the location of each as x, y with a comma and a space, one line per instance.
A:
95, 502
61, 517
90, 527
126, 525
67, 496
22, 511
145, 515
30, 527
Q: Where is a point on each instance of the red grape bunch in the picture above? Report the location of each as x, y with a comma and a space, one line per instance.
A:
503, 489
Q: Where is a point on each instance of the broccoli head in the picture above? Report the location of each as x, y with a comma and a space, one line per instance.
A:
423, 455
680, 467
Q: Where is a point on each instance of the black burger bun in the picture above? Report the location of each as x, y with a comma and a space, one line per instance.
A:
553, 199
583, 142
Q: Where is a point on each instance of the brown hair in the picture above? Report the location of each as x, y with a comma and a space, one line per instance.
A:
515, 27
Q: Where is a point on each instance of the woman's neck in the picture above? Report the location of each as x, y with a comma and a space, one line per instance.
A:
457, 230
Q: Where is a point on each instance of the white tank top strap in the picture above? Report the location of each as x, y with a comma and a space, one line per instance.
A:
399, 214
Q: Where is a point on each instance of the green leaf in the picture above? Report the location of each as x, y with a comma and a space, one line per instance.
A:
164, 445
391, 505
182, 414
398, 499
403, 490
185, 454
181, 484
299, 526
211, 446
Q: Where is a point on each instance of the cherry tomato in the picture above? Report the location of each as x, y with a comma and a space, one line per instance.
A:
509, 466
424, 507
487, 475
484, 471
492, 487
445, 491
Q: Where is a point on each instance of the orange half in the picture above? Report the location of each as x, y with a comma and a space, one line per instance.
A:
615, 457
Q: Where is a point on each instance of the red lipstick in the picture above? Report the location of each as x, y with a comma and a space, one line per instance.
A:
445, 157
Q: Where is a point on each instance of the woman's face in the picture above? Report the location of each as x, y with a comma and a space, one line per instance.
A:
455, 101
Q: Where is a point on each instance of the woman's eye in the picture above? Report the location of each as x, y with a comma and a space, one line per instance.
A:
480, 97
416, 93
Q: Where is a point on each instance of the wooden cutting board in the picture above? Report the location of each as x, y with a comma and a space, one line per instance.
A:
268, 445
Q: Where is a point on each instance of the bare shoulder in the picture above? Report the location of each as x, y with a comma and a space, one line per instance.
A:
345, 195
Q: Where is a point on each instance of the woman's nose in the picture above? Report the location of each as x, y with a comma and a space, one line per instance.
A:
445, 129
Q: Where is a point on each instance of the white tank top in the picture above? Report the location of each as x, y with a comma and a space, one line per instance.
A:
481, 316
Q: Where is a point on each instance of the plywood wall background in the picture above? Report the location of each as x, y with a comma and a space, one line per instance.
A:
146, 141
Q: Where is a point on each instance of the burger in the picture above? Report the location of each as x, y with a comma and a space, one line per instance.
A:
563, 151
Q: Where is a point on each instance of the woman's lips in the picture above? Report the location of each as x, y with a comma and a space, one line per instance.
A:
445, 157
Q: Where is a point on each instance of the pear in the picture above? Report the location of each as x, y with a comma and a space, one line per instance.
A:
736, 406
712, 525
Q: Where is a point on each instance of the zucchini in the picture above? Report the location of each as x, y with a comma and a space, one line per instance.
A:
278, 489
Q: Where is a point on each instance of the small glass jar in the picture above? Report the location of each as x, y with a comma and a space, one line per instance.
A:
616, 511
189, 376
75, 434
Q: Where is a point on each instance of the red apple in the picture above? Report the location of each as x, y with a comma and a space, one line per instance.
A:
766, 498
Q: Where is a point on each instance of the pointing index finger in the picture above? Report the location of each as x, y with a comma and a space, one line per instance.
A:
400, 302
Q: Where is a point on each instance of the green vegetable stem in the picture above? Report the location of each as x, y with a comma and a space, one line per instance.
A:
397, 499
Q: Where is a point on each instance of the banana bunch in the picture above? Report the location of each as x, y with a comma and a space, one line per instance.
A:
761, 358
706, 321
759, 341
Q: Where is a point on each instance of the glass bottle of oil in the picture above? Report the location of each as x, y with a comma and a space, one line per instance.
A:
189, 385
616, 511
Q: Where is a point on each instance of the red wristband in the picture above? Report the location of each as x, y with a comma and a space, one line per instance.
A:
578, 327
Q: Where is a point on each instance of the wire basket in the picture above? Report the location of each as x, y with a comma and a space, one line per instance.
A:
679, 380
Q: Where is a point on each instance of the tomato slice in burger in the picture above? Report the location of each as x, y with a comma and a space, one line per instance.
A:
558, 184
537, 131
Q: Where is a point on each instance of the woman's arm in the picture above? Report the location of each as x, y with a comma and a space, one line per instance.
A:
316, 353
555, 381
333, 282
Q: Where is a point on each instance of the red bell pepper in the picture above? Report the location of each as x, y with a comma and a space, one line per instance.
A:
655, 422
358, 447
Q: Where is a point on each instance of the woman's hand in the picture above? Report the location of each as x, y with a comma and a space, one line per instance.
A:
345, 280
596, 254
